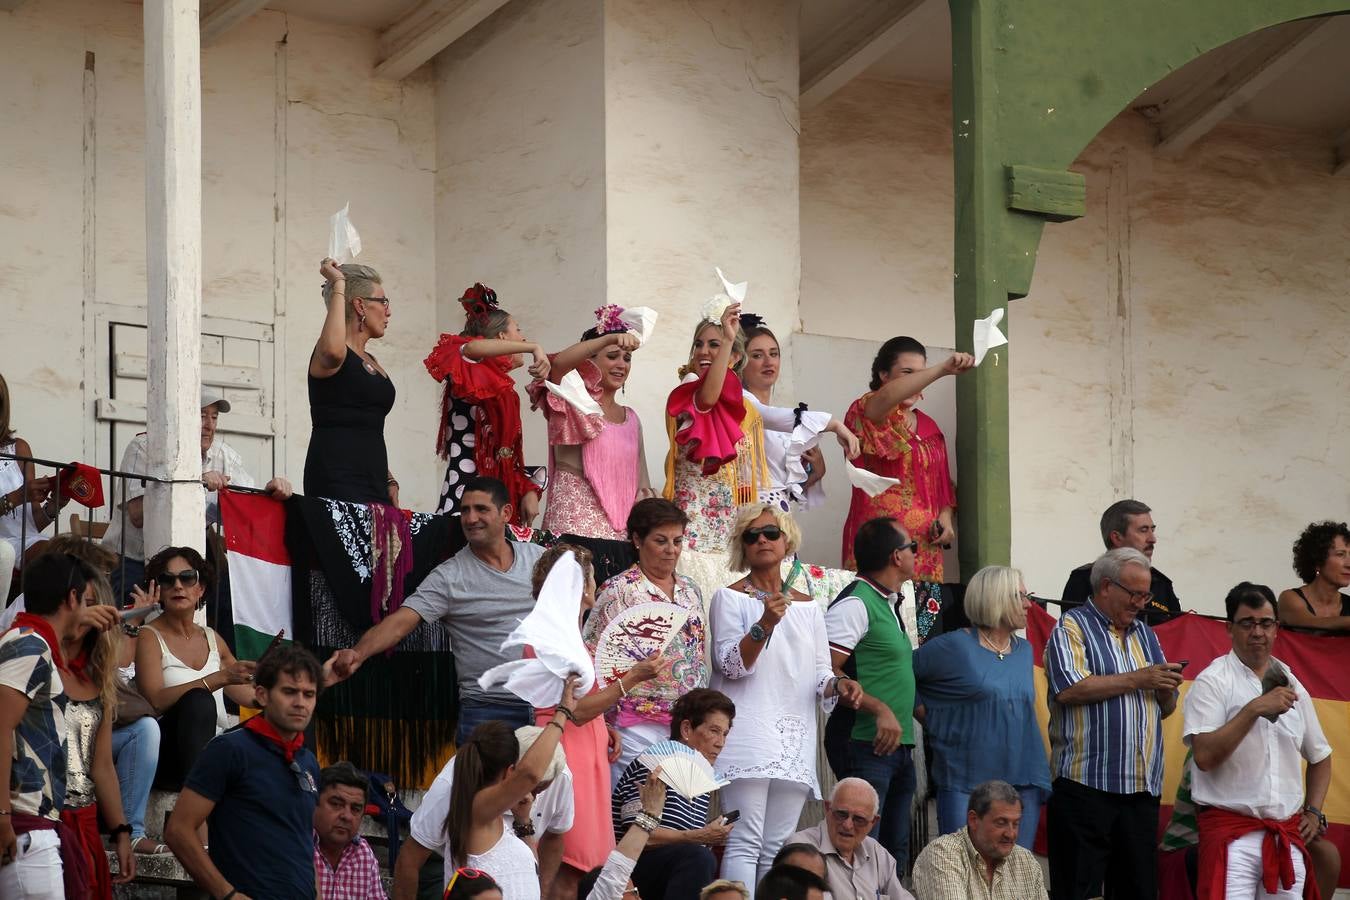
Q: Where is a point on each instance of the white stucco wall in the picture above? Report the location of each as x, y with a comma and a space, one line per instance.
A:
1232, 272
279, 156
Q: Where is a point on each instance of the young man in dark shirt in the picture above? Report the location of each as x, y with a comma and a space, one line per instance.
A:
256, 787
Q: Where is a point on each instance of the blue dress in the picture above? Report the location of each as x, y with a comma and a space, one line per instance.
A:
981, 713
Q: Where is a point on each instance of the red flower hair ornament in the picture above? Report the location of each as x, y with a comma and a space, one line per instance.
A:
479, 301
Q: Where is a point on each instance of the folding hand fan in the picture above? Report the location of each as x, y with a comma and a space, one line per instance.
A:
633, 635
683, 769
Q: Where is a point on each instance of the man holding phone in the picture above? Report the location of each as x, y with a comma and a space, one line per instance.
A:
1110, 688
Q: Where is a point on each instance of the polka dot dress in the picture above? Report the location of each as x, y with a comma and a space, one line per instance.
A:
459, 446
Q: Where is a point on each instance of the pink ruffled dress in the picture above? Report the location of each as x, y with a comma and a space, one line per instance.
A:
596, 504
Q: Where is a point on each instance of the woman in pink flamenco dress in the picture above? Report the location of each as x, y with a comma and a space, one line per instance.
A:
597, 465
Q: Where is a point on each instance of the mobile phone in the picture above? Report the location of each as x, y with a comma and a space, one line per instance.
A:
730, 817
1183, 663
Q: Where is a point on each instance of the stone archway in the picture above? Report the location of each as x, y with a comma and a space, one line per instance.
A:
1033, 82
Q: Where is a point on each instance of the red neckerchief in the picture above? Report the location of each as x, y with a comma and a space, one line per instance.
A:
46, 632
260, 726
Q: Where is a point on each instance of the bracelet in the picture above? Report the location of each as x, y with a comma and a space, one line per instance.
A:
205, 685
526, 830
391, 481
6, 505
232, 892
555, 725
568, 714
646, 822
4, 812
131, 630
623, 691
124, 828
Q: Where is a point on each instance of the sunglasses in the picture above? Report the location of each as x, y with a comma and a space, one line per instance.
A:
752, 535
842, 815
303, 778
467, 874
187, 578
912, 547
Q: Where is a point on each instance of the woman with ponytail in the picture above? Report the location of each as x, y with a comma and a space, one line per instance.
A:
488, 782
91, 779
480, 431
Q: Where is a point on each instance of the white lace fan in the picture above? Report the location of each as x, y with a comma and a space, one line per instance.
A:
633, 635
683, 769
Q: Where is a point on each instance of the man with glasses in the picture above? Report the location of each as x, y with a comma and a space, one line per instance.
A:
256, 787
1109, 688
868, 643
1251, 725
1128, 523
856, 866
221, 466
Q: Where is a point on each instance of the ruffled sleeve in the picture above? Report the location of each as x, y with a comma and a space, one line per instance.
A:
731, 620
803, 428
467, 380
887, 439
568, 425
709, 437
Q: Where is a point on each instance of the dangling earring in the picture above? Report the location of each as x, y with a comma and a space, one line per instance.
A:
361, 322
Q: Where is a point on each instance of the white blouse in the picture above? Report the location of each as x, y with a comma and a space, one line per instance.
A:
12, 525
774, 732
785, 440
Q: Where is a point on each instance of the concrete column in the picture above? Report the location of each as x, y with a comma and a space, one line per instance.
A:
175, 513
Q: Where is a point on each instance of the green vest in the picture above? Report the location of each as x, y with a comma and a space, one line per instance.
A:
883, 662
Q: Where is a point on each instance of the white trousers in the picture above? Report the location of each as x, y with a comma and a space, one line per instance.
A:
36, 873
770, 808
1244, 871
636, 738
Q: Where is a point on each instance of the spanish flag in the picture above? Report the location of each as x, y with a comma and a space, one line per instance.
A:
1318, 661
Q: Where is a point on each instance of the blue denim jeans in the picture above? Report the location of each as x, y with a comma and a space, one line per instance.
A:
952, 806
473, 713
893, 778
135, 749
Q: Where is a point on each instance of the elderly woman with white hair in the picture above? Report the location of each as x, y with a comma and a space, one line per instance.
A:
976, 699
771, 657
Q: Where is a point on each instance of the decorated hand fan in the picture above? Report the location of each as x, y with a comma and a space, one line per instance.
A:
683, 769
635, 634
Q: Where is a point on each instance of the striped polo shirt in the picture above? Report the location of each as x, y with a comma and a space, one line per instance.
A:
678, 814
1112, 745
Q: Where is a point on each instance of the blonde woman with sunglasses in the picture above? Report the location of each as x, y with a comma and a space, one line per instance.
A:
772, 658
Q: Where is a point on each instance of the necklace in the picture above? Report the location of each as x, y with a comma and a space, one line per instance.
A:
1001, 651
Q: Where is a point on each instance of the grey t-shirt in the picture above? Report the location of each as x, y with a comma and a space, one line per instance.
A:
480, 607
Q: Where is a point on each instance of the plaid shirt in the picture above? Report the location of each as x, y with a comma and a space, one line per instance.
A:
357, 876
950, 868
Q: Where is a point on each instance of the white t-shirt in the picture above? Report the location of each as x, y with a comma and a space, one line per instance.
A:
553, 811
1263, 777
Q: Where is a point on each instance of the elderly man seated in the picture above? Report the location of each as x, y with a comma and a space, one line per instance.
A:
857, 867
221, 466
344, 864
982, 859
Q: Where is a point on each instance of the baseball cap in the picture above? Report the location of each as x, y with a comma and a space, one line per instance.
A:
211, 396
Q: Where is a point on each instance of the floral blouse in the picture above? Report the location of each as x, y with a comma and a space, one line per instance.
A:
686, 656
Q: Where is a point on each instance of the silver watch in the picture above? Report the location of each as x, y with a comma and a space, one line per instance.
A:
757, 633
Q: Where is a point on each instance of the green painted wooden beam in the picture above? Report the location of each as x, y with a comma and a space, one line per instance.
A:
1033, 83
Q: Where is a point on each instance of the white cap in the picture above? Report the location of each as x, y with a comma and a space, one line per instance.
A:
212, 397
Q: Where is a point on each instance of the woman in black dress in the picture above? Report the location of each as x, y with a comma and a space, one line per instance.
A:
349, 392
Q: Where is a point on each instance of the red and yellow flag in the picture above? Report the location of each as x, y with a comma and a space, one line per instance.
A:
1318, 661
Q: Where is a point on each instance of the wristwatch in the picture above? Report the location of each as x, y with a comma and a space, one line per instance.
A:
757, 633
1321, 816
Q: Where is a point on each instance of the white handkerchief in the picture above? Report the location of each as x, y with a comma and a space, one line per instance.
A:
573, 389
713, 308
987, 335
641, 320
735, 291
551, 629
344, 244
869, 483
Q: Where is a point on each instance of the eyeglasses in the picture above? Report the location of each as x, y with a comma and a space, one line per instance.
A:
384, 300
303, 778
842, 815
752, 535
1136, 596
187, 578
1256, 624
467, 874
